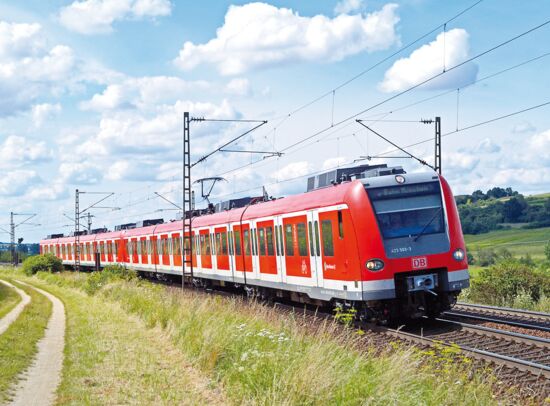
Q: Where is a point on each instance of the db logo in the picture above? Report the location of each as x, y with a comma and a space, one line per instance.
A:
420, 262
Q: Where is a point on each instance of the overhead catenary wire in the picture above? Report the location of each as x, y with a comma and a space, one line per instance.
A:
409, 89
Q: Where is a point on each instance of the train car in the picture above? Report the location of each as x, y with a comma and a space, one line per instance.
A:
387, 243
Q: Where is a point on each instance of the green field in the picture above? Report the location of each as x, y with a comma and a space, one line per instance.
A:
518, 241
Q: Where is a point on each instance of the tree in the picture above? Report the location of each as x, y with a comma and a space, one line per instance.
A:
513, 208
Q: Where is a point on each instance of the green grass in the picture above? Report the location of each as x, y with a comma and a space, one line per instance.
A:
18, 343
8, 299
112, 358
518, 241
252, 353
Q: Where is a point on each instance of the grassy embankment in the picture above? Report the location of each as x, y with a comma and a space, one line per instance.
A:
246, 351
111, 358
18, 343
8, 299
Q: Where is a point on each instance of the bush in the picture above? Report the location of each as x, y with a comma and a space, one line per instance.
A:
510, 281
97, 280
42, 263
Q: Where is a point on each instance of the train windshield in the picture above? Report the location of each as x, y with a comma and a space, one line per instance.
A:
408, 210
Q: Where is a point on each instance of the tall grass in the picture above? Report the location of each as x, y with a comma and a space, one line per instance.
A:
264, 357
8, 299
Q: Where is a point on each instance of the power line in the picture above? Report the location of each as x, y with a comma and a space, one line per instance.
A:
479, 55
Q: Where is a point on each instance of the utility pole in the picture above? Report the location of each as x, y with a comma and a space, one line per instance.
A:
13, 226
79, 214
89, 223
438, 145
12, 239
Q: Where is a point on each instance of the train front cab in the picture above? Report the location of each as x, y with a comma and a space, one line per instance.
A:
423, 252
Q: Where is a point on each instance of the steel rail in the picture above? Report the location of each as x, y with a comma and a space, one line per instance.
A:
530, 326
523, 365
525, 338
503, 309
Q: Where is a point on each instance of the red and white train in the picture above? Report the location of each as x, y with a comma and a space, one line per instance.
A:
388, 243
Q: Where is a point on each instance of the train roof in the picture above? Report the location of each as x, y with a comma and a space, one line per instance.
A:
322, 197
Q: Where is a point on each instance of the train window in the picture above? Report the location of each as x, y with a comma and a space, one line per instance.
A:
278, 251
326, 232
230, 235
109, 248
176, 246
340, 225
115, 248
218, 239
317, 238
261, 237
281, 250
224, 243
302, 239
269, 241
166, 247
246, 242
237, 235
213, 242
289, 241
310, 239
207, 243
253, 241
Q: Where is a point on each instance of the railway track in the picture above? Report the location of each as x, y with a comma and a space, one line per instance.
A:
523, 319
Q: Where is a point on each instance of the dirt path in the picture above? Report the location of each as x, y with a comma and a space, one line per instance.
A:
40, 381
9, 318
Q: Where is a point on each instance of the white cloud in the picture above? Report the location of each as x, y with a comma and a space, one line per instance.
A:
18, 151
460, 162
539, 148
16, 183
348, 6
258, 35
292, 170
523, 127
332, 163
141, 92
42, 112
55, 191
80, 173
427, 61
98, 16
238, 87
487, 146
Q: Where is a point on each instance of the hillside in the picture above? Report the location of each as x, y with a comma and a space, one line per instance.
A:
500, 208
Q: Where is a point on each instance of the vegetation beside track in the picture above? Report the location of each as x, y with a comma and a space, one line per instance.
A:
112, 358
18, 344
255, 355
8, 299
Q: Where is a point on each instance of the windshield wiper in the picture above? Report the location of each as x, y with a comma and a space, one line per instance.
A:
427, 224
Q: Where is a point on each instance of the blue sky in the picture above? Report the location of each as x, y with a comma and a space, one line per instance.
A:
92, 94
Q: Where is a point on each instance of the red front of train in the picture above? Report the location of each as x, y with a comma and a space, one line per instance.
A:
410, 245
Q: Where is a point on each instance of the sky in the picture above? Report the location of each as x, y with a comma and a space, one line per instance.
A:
92, 96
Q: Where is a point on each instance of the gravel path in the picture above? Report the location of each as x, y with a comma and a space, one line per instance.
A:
9, 318
39, 383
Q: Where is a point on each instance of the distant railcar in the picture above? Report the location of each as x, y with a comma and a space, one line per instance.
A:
390, 245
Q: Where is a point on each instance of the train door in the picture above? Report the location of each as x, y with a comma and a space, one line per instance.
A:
176, 251
153, 250
109, 247
280, 249
243, 257
254, 245
231, 249
164, 250
314, 247
266, 248
336, 263
102, 251
222, 254
206, 249
196, 250
297, 261
144, 253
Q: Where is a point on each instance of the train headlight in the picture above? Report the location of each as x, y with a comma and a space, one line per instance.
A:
458, 255
375, 265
